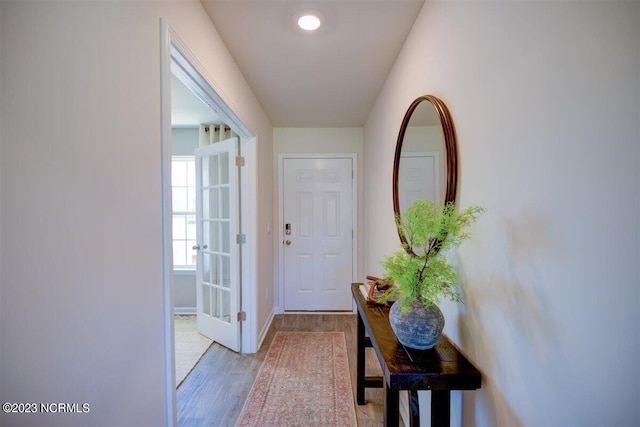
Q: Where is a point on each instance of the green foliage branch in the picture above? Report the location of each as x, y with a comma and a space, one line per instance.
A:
430, 230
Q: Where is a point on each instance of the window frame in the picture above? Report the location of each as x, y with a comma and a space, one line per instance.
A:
183, 268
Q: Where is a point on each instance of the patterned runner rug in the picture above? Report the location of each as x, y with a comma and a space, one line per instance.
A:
303, 381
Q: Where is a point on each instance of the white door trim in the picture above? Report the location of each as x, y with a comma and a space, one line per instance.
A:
177, 58
279, 309
249, 250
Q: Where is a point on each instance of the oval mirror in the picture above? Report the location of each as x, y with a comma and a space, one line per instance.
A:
425, 165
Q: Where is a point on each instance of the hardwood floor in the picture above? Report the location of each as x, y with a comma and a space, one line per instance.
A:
215, 391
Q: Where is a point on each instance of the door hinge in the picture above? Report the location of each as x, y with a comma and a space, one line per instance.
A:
241, 239
239, 161
242, 316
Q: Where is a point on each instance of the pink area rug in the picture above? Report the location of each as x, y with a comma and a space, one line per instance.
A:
303, 381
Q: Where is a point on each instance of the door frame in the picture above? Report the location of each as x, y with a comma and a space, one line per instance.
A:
354, 213
176, 58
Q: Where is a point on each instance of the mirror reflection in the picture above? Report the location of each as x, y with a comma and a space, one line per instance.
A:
422, 168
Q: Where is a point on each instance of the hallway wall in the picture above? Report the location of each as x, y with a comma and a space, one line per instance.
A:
81, 295
545, 98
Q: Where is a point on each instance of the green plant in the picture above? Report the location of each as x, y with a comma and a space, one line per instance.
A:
430, 230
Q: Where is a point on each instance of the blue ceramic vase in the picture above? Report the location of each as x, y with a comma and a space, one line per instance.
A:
419, 328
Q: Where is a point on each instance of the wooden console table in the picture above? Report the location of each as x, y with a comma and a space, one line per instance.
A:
440, 369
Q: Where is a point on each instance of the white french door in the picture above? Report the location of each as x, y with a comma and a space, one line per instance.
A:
317, 233
218, 253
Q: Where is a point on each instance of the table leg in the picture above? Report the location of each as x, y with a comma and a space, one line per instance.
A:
440, 408
391, 406
360, 362
414, 416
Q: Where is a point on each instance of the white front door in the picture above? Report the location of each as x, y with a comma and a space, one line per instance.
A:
318, 233
218, 255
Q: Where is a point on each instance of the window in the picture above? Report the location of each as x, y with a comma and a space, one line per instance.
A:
183, 185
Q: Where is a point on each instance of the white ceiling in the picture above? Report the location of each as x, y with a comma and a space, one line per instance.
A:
187, 110
329, 78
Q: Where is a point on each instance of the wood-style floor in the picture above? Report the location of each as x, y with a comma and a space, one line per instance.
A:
215, 391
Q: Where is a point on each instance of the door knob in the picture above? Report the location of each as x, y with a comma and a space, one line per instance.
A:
197, 247
287, 242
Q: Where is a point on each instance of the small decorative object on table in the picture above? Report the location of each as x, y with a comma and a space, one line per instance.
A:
375, 290
420, 271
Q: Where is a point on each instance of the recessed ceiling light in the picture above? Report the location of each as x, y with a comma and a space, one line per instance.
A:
309, 22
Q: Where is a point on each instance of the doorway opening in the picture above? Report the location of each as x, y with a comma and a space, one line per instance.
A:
194, 126
213, 235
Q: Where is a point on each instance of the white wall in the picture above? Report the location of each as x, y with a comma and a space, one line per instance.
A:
184, 141
545, 98
322, 141
81, 309
184, 292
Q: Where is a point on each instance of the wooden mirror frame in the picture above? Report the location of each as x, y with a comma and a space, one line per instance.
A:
451, 151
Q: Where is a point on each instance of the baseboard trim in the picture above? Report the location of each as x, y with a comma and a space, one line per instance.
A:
184, 310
